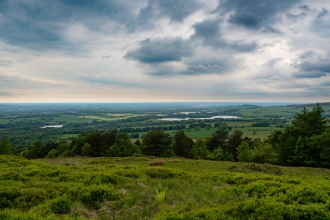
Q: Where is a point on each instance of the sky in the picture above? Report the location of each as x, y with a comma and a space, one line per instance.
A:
164, 51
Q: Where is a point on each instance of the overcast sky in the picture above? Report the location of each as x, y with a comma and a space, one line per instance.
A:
164, 50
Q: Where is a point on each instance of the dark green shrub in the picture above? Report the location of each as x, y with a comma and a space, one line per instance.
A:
61, 205
263, 168
93, 196
159, 172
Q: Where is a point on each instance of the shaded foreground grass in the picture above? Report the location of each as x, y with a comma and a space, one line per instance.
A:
128, 188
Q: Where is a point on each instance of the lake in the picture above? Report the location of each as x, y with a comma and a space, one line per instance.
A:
52, 126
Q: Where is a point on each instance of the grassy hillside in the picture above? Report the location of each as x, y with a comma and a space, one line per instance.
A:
129, 188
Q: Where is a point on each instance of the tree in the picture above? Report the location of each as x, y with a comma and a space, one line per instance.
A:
138, 143
263, 153
86, 149
157, 143
123, 147
182, 144
313, 151
235, 139
244, 152
293, 145
286, 145
218, 139
219, 154
6, 147
199, 149
308, 123
37, 151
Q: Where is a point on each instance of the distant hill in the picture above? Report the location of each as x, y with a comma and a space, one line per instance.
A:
308, 105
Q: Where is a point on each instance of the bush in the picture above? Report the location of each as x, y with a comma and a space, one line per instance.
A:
262, 168
264, 153
158, 172
61, 205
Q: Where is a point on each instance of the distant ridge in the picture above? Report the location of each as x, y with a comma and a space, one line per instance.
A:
307, 105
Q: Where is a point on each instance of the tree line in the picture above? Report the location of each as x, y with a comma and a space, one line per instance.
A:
304, 143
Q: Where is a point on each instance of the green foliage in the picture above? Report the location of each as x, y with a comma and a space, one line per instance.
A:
260, 124
123, 147
244, 152
86, 149
52, 154
221, 155
5, 147
305, 141
254, 167
182, 144
159, 172
264, 153
127, 188
218, 139
308, 123
234, 140
61, 205
157, 143
199, 150
160, 196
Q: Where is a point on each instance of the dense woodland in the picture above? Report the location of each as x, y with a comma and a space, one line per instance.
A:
306, 142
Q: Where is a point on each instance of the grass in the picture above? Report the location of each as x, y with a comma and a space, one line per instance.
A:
281, 111
128, 188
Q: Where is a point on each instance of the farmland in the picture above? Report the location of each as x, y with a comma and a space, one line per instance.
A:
21, 122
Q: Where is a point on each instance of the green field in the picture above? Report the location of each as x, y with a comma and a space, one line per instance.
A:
129, 188
261, 132
70, 119
270, 111
110, 117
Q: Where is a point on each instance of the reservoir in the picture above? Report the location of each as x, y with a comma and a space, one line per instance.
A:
52, 126
213, 117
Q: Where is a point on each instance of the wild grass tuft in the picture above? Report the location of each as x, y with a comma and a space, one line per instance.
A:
156, 162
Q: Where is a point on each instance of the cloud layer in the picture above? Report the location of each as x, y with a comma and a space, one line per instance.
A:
164, 50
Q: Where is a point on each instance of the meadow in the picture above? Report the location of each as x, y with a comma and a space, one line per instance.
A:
159, 188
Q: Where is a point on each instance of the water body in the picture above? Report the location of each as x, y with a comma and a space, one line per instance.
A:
187, 113
52, 126
211, 118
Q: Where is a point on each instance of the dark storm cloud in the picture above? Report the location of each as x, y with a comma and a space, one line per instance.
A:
323, 66
313, 70
306, 54
321, 23
220, 67
39, 24
176, 10
253, 14
206, 65
270, 30
160, 51
210, 33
